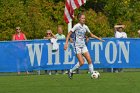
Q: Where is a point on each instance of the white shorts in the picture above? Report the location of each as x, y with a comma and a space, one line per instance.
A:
81, 50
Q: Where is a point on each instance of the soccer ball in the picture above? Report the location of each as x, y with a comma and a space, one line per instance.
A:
95, 74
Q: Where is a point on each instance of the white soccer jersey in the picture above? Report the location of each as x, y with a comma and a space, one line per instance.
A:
80, 31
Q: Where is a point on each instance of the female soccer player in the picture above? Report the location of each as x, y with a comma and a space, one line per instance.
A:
79, 44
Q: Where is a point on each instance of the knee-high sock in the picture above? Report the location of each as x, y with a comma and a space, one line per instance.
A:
75, 67
91, 69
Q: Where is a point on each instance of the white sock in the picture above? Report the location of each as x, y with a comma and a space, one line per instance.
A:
75, 67
91, 69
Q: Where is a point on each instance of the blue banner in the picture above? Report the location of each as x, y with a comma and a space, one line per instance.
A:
38, 55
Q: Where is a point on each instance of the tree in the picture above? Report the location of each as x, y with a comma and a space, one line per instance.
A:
36, 16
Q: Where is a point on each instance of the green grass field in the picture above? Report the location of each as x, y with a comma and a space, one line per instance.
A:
125, 82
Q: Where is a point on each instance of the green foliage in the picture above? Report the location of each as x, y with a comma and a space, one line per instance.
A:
126, 12
36, 16
98, 23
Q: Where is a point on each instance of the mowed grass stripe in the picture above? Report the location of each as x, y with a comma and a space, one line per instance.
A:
126, 82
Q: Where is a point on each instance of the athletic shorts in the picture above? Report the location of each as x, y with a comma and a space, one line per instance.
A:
81, 50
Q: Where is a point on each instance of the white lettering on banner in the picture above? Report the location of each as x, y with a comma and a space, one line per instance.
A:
107, 52
97, 45
122, 47
68, 53
36, 50
113, 52
124, 50
50, 53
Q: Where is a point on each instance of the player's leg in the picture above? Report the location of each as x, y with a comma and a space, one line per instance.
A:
78, 51
77, 66
80, 63
88, 58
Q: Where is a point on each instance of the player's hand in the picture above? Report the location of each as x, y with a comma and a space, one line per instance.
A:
102, 40
66, 46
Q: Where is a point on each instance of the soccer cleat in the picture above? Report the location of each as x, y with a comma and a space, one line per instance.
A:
70, 74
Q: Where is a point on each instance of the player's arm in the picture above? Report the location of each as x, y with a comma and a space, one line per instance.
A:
71, 40
94, 36
67, 40
87, 38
